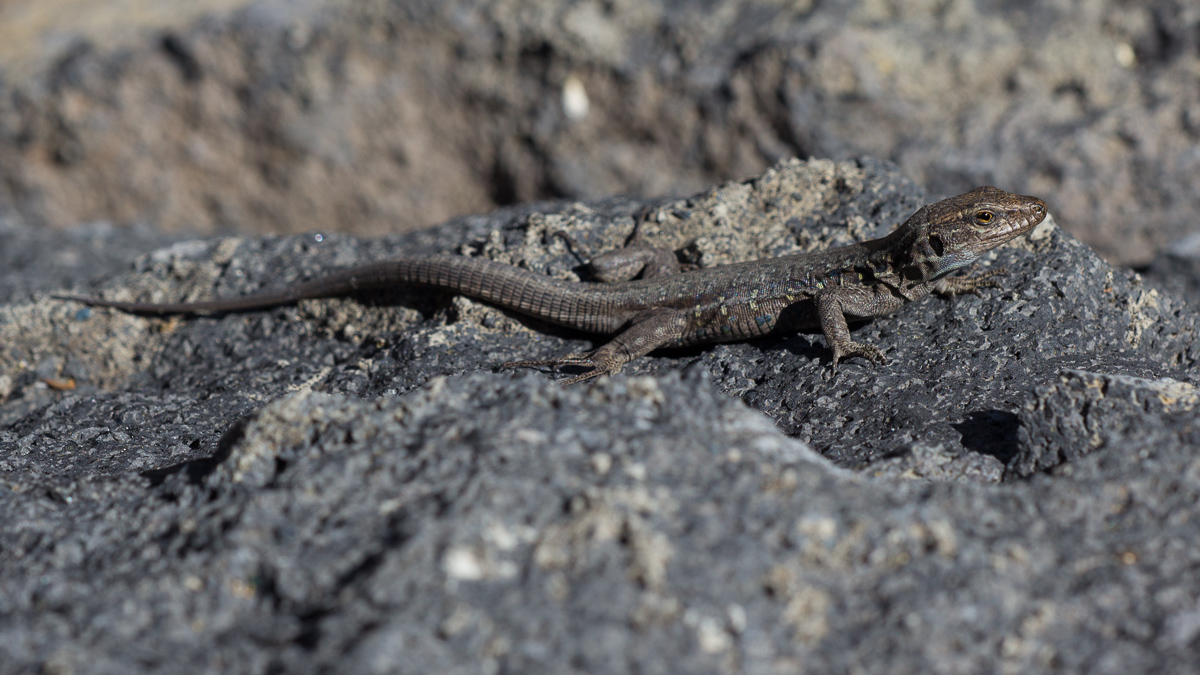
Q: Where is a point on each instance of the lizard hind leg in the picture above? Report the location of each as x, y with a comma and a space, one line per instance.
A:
583, 360
644, 335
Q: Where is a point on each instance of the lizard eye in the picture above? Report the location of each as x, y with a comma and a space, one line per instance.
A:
984, 216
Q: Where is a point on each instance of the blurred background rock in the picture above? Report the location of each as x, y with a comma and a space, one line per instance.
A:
373, 116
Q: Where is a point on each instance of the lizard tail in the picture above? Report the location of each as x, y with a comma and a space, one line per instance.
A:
576, 305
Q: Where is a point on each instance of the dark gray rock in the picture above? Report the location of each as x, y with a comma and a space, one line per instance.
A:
345, 484
38, 260
1177, 269
1086, 411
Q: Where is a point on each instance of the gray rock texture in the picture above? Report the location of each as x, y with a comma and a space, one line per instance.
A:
34, 260
1085, 411
1177, 268
371, 116
345, 485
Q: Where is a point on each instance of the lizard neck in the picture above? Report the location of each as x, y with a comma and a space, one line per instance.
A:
906, 257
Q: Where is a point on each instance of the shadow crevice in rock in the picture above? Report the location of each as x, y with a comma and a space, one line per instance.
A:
990, 432
197, 470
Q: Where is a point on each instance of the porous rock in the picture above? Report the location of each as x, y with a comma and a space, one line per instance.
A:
1086, 411
345, 484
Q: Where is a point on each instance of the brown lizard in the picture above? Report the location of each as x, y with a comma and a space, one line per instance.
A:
716, 304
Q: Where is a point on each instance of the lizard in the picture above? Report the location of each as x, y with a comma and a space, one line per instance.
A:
725, 303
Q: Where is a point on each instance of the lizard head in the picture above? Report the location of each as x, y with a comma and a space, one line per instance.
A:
953, 233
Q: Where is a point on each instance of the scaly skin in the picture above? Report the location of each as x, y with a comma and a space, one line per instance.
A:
717, 304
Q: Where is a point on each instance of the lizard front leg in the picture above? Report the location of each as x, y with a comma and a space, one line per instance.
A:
644, 335
835, 303
952, 286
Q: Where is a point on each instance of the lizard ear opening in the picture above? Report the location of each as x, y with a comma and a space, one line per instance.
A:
936, 244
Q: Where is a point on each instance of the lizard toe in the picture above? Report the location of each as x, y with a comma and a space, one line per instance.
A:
868, 352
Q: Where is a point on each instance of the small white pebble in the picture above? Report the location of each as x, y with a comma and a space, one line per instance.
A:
574, 98
462, 563
737, 618
636, 471
1126, 57
601, 462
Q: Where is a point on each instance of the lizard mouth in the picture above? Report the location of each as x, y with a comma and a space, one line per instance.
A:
1017, 226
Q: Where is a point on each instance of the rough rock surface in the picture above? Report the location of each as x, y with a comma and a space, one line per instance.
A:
1085, 411
1177, 269
371, 116
40, 260
346, 485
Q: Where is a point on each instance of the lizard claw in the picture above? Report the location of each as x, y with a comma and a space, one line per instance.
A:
595, 369
869, 352
952, 286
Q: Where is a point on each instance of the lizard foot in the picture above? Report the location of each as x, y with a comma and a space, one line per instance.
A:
596, 368
848, 349
952, 286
